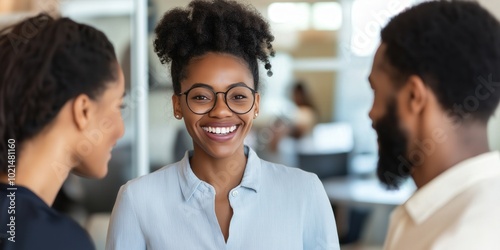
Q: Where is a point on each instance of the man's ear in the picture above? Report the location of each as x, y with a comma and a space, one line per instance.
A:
81, 111
176, 105
415, 95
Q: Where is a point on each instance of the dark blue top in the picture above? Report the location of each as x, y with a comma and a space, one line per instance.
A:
35, 225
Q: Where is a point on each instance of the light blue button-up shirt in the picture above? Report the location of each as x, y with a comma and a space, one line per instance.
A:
274, 207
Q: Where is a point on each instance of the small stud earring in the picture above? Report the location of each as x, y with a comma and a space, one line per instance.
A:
256, 114
178, 116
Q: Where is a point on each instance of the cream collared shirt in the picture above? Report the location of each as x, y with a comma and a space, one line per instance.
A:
459, 209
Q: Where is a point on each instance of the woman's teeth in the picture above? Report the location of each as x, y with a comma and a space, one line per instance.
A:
220, 130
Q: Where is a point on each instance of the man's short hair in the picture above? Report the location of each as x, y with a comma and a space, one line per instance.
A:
454, 46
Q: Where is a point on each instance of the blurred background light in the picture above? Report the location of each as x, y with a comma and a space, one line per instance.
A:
326, 16
295, 15
368, 16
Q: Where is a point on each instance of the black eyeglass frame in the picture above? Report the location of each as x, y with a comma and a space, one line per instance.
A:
216, 94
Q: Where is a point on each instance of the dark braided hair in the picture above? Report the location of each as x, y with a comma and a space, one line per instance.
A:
220, 26
44, 64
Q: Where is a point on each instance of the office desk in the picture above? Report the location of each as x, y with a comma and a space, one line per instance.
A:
356, 192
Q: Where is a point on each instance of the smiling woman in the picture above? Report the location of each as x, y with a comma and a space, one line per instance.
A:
227, 74
221, 195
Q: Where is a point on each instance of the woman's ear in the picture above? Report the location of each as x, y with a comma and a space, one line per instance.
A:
81, 111
257, 103
176, 105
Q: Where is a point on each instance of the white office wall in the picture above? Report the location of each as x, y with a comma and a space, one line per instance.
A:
492, 5
494, 131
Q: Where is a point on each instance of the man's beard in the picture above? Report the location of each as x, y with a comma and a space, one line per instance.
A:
393, 168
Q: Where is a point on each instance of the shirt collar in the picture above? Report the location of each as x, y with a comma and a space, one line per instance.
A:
438, 192
187, 179
189, 182
252, 170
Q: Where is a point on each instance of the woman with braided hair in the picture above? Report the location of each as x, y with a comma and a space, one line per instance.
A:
61, 90
221, 195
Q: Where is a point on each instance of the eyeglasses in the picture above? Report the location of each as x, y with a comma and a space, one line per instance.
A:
201, 99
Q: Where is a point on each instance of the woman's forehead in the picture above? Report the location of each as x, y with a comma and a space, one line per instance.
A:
218, 71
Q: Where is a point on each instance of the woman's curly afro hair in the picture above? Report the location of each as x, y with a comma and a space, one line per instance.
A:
220, 26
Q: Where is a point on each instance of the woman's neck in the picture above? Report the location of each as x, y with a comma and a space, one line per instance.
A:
222, 173
42, 169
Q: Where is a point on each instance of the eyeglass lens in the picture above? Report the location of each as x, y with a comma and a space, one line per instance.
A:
239, 99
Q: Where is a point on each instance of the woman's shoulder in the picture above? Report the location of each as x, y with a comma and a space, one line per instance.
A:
58, 232
285, 172
45, 227
166, 175
281, 179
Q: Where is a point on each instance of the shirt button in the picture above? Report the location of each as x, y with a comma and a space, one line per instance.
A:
234, 193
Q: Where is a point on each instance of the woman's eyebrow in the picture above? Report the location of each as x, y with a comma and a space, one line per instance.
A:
201, 85
238, 84
210, 87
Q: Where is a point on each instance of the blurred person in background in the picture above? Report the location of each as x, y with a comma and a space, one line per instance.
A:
301, 122
221, 195
61, 93
436, 82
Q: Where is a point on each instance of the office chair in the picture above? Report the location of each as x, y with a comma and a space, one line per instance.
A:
327, 152
324, 165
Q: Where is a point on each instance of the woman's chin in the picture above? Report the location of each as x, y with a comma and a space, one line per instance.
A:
92, 173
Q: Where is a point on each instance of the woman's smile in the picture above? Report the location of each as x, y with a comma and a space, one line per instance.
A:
220, 131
